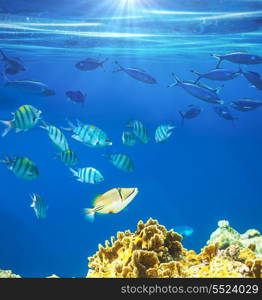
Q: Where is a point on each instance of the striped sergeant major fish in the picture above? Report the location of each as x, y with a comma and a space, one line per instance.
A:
128, 138
89, 135
88, 175
163, 132
22, 167
139, 131
121, 161
26, 117
111, 202
39, 205
68, 157
56, 136
138, 74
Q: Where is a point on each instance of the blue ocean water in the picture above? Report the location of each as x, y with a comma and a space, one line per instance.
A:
207, 171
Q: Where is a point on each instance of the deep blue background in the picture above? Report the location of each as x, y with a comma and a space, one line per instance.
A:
209, 170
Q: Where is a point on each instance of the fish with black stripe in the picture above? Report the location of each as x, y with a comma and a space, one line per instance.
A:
88, 175
22, 167
139, 131
122, 162
128, 138
56, 136
68, 157
89, 135
163, 132
26, 117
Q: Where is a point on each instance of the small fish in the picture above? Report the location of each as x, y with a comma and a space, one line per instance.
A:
89, 135
68, 157
90, 64
199, 91
191, 112
242, 58
26, 117
246, 104
137, 74
12, 65
76, 96
88, 175
122, 162
113, 201
40, 207
217, 75
56, 136
163, 132
139, 131
224, 112
254, 78
22, 167
128, 138
185, 231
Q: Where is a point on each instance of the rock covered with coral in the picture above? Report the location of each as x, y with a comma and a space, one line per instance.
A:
153, 251
8, 274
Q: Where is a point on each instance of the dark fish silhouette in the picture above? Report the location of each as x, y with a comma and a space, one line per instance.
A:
90, 64
137, 74
246, 104
242, 58
191, 112
76, 96
224, 113
254, 78
217, 75
12, 65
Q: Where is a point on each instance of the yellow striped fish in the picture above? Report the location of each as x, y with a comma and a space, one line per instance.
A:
68, 157
88, 175
122, 162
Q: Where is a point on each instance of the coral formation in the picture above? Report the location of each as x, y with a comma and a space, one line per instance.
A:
8, 274
153, 251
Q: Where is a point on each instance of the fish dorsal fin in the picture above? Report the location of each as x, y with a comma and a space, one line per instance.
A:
97, 196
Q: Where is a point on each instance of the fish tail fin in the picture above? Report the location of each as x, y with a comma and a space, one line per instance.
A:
71, 126
44, 125
4, 57
240, 71
219, 57
195, 72
7, 160
74, 172
9, 125
183, 119
120, 68
177, 81
218, 90
89, 214
103, 62
4, 76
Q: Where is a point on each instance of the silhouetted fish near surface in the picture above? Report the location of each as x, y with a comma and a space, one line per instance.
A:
137, 74
242, 58
217, 75
40, 207
191, 112
22, 167
185, 231
199, 91
12, 65
246, 104
90, 64
254, 78
76, 96
224, 113
111, 202
29, 86
163, 132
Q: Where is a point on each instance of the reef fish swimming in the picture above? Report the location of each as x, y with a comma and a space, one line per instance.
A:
56, 136
68, 157
217, 75
199, 91
163, 132
89, 135
25, 118
76, 97
12, 65
40, 207
241, 58
22, 167
137, 74
113, 201
90, 64
185, 231
88, 175
128, 138
246, 104
139, 130
121, 161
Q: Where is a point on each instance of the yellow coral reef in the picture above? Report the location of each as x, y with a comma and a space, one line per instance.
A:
153, 251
